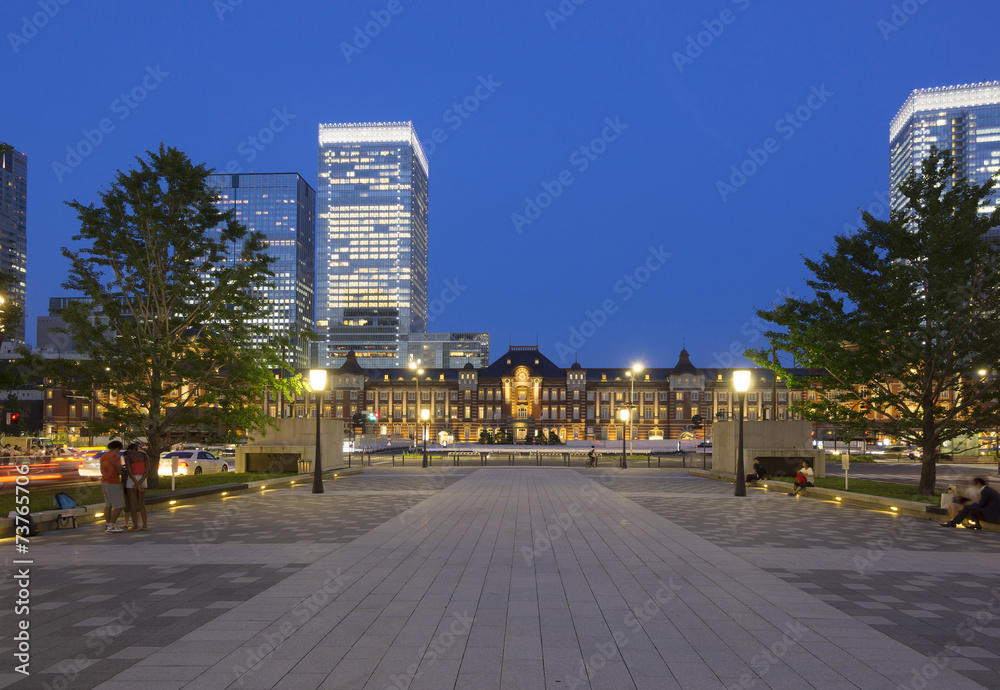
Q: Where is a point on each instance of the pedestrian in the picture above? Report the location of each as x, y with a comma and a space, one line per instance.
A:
803, 478
592, 455
111, 485
758, 472
986, 508
137, 467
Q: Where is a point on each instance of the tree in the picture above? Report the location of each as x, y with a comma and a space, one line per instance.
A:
904, 320
485, 437
554, 439
171, 318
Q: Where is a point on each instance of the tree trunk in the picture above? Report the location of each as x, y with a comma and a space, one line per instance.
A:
928, 448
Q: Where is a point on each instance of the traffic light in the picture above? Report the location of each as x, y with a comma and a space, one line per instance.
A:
14, 417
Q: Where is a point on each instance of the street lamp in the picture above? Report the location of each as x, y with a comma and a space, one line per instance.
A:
623, 414
636, 368
414, 364
317, 381
741, 382
425, 415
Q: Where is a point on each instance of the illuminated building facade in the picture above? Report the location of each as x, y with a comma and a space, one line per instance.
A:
963, 120
523, 393
282, 206
371, 245
13, 227
449, 350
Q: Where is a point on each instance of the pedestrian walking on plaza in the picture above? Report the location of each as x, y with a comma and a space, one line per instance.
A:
592, 455
986, 508
137, 467
803, 479
111, 485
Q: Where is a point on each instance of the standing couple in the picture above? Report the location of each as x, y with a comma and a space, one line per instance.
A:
134, 471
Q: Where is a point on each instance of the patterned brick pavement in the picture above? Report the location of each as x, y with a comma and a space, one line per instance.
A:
512, 577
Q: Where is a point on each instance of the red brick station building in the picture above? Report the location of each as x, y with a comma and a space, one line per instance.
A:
525, 391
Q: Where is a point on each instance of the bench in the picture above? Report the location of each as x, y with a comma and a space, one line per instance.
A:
67, 516
781, 466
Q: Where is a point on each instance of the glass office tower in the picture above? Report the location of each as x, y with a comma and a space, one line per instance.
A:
964, 120
13, 228
371, 246
282, 206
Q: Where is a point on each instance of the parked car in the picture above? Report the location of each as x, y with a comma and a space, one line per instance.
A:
705, 444
193, 462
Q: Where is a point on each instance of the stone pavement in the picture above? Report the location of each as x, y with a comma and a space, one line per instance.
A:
512, 578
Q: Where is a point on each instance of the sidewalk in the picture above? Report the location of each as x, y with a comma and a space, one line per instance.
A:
512, 578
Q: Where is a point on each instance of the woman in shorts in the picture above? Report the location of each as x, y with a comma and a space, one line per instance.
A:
137, 466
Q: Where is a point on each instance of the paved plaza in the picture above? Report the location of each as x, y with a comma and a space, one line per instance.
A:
512, 577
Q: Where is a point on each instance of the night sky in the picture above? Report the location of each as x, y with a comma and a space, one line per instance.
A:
608, 179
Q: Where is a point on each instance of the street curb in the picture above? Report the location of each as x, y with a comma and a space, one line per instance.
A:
910, 508
47, 520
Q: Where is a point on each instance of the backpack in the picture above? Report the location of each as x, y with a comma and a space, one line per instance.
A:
64, 501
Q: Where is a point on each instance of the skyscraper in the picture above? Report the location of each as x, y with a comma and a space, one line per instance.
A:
282, 206
371, 247
13, 227
963, 120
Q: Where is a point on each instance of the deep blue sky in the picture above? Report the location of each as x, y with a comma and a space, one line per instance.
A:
219, 81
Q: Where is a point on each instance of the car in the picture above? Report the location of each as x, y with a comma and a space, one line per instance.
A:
192, 462
89, 462
705, 444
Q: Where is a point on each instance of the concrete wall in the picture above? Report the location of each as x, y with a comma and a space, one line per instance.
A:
297, 437
764, 439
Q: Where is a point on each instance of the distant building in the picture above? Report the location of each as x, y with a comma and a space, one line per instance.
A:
371, 247
963, 120
50, 338
449, 350
524, 392
13, 227
282, 206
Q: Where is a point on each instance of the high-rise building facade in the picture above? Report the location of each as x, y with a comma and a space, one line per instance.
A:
13, 227
282, 206
963, 120
449, 350
371, 246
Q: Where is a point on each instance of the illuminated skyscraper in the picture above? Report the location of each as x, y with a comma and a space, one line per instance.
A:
371, 245
963, 120
13, 227
282, 206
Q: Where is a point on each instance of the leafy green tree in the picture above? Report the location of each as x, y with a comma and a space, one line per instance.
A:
171, 315
903, 322
485, 437
554, 439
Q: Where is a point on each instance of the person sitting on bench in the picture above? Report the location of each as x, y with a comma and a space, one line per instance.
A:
803, 478
758, 472
986, 508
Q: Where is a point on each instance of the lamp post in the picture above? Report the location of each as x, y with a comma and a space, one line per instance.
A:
414, 364
636, 368
317, 381
425, 415
624, 415
741, 382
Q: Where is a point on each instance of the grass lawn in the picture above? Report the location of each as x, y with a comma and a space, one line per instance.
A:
901, 492
43, 499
